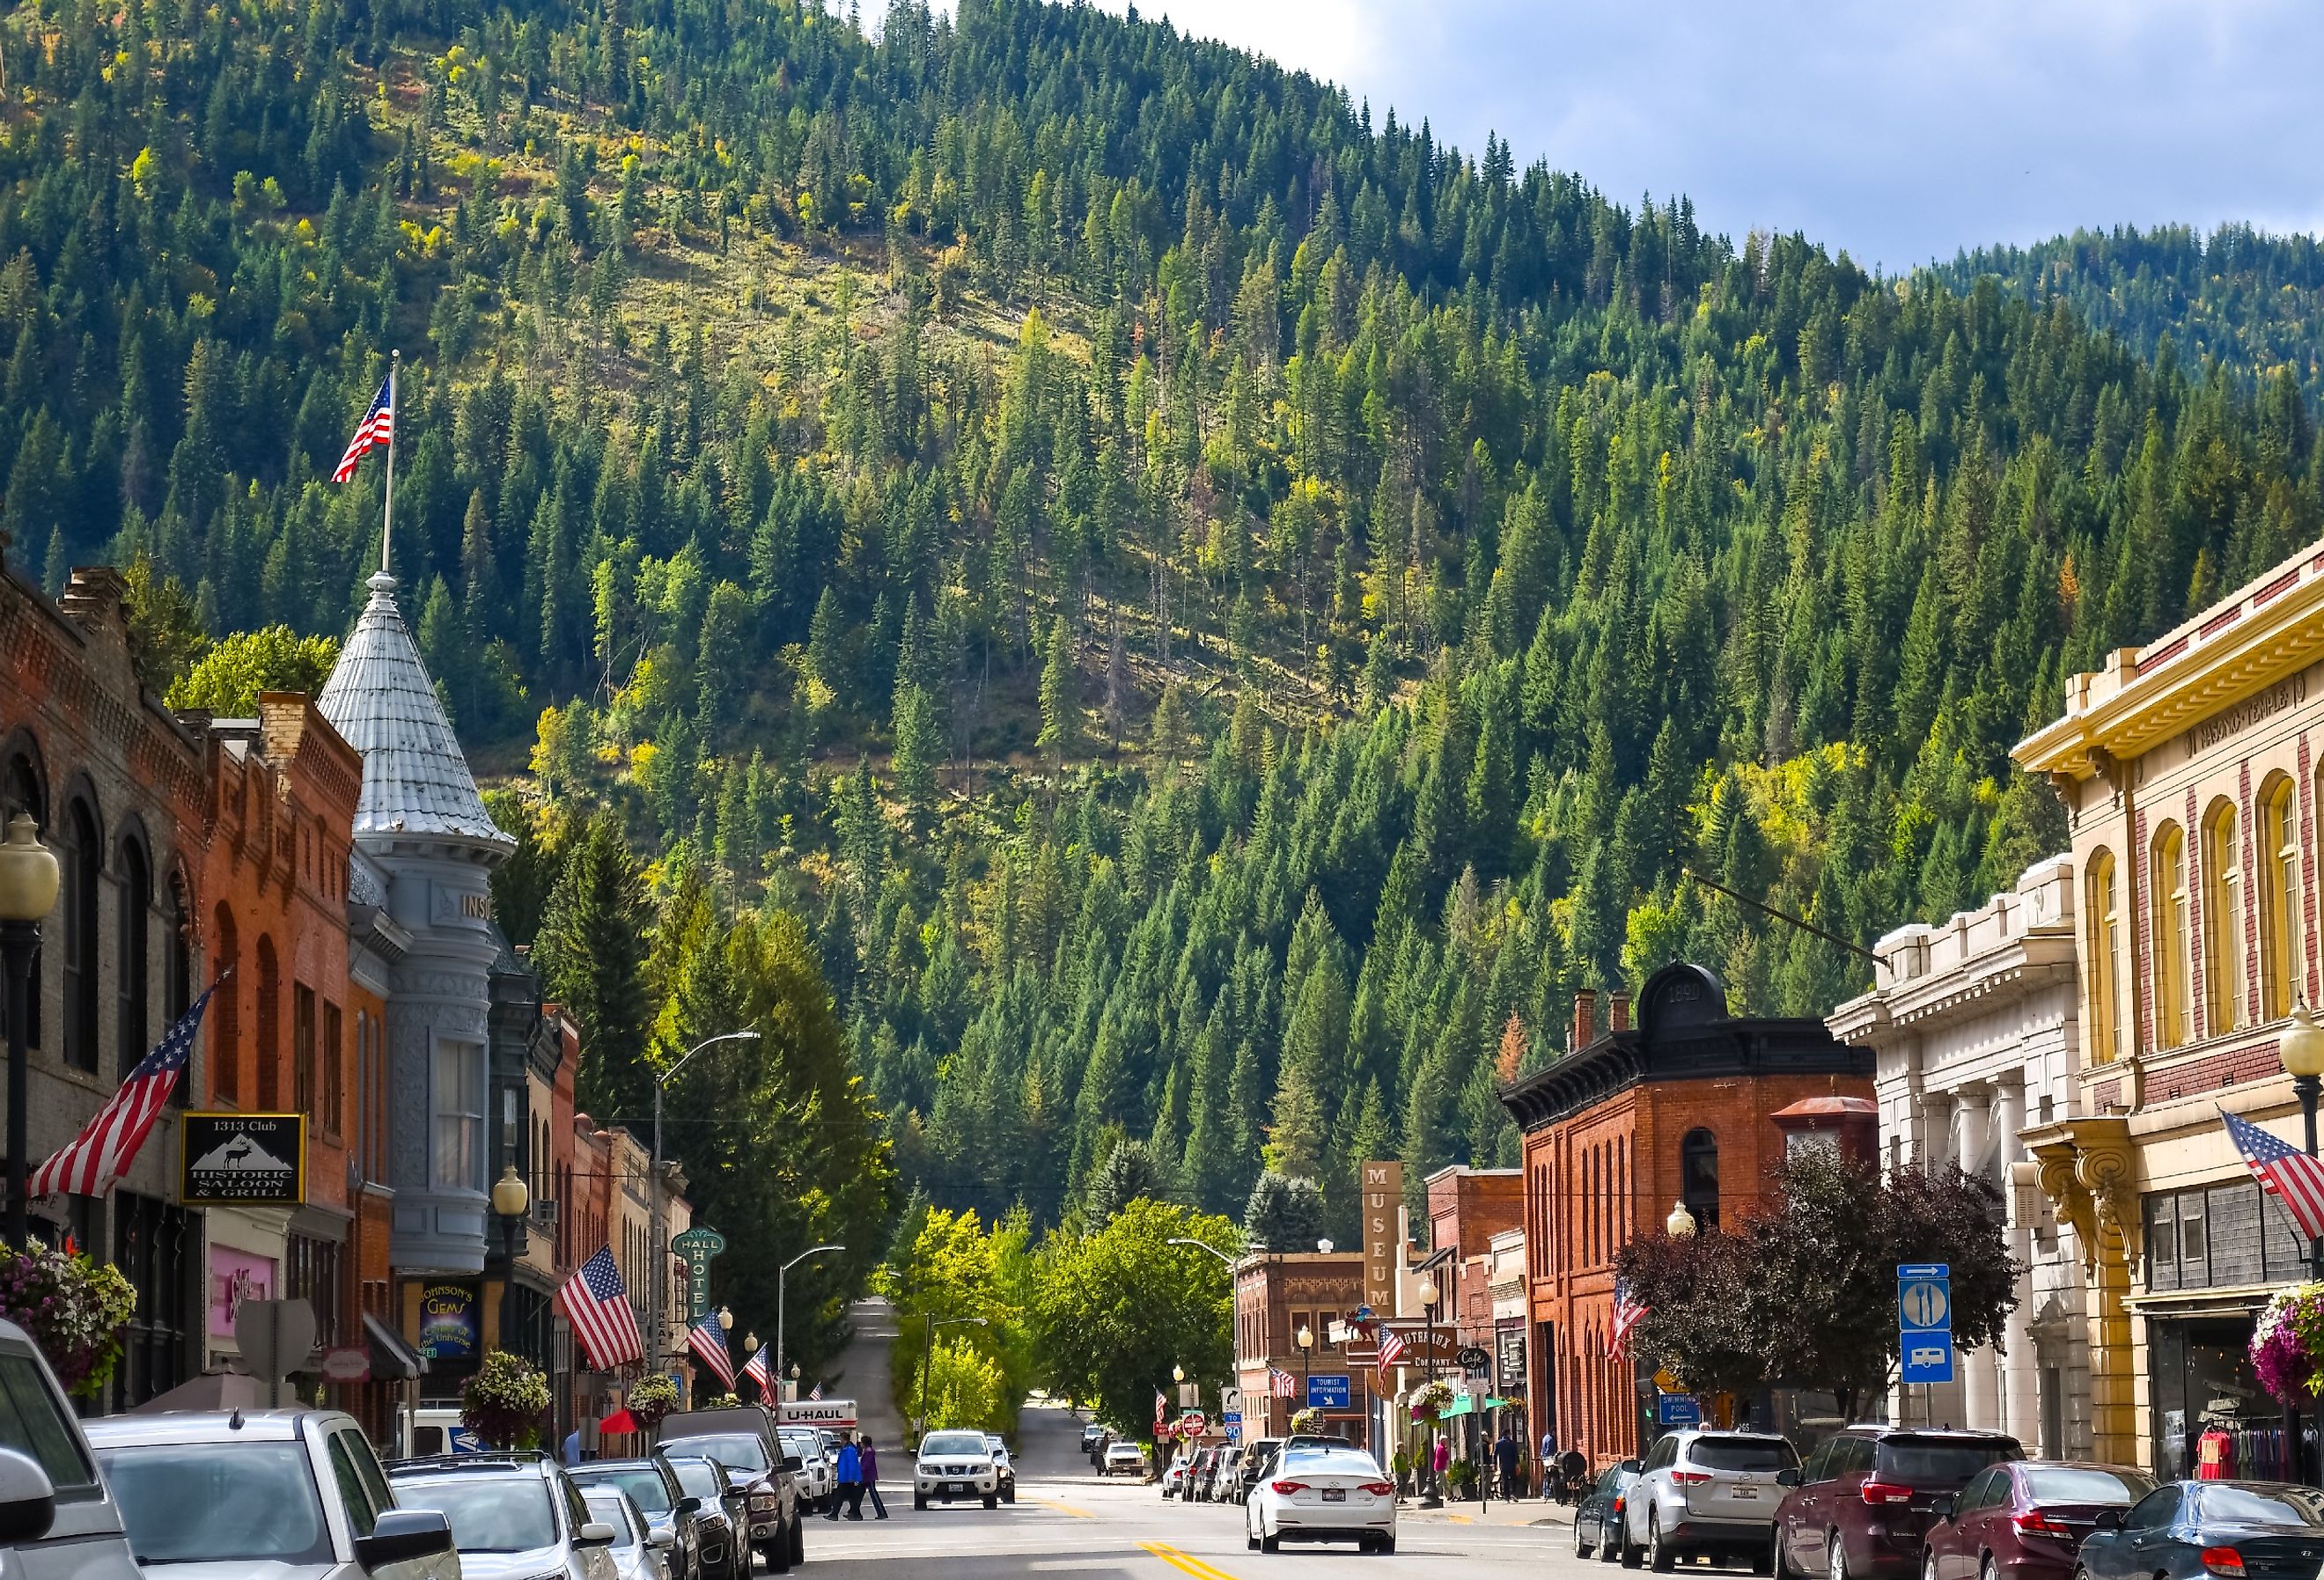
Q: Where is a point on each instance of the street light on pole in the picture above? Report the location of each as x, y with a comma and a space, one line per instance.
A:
661, 1245
1305, 1339
782, 1274
1428, 1294
28, 891
1201, 1245
927, 1359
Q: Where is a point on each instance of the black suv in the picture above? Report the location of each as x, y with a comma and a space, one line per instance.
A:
1859, 1506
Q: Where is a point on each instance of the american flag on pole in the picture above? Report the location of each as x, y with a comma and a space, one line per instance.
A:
1282, 1384
2282, 1169
1627, 1313
707, 1340
760, 1370
1391, 1347
598, 1308
107, 1144
815, 1392
377, 428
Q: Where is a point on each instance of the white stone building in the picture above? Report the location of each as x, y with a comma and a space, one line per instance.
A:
1974, 1024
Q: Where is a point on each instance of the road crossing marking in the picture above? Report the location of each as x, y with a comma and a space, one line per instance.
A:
1186, 1562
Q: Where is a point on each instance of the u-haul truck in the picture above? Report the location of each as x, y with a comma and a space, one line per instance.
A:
832, 1415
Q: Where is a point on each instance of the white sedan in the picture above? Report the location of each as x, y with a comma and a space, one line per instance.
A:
1321, 1494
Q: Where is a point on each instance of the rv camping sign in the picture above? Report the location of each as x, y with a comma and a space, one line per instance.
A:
244, 1160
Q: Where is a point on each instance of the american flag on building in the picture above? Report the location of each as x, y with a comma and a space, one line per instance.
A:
707, 1340
1390, 1348
1628, 1312
108, 1144
760, 1370
376, 428
2284, 1171
598, 1308
1282, 1384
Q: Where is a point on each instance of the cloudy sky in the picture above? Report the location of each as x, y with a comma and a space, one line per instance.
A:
1898, 130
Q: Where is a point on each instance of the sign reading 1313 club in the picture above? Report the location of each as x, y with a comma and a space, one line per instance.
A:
244, 1160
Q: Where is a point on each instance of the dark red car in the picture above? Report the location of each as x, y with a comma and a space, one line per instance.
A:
1857, 1510
2026, 1520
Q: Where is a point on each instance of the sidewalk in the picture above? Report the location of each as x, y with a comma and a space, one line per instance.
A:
1528, 1511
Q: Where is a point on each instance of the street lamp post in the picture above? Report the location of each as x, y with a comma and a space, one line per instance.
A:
1201, 1245
1428, 1293
28, 889
510, 1200
2301, 1050
927, 1359
660, 1245
1305, 1339
782, 1275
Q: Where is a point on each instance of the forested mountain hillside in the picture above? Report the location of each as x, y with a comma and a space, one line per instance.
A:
2250, 301
1222, 614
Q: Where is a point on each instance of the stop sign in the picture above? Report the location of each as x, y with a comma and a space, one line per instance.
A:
1193, 1424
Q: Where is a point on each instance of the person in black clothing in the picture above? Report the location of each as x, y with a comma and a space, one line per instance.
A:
1505, 1460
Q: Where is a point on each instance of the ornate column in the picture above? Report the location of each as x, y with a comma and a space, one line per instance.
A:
2089, 1171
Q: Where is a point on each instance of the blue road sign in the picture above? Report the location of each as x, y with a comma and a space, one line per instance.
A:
1924, 1322
1328, 1392
1678, 1409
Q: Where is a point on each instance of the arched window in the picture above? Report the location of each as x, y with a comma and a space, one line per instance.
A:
2173, 1015
1698, 1176
129, 969
22, 790
225, 1013
268, 1043
2103, 908
2223, 920
2283, 945
82, 857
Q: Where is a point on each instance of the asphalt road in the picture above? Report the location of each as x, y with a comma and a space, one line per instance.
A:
1069, 1520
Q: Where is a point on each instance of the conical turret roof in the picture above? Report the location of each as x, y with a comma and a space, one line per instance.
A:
416, 780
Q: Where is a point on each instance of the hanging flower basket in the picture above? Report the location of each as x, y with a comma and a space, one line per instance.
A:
1429, 1400
506, 1402
1309, 1420
723, 1401
74, 1308
653, 1397
2287, 1342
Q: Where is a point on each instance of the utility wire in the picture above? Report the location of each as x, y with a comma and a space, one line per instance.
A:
1806, 927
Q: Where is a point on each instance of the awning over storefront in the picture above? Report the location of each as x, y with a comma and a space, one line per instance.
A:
2222, 1300
391, 1358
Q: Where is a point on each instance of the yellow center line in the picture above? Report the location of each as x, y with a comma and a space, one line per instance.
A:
1186, 1562
1062, 1508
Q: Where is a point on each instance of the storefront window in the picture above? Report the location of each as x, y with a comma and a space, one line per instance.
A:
2203, 1380
2223, 920
2173, 1015
2281, 949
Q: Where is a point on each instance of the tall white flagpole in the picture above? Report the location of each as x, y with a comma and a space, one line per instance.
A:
387, 515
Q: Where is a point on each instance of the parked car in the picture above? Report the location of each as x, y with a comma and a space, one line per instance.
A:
514, 1516
1253, 1465
1124, 1456
1322, 1494
669, 1510
1859, 1506
296, 1492
1181, 1468
1003, 1466
748, 1448
1705, 1491
2210, 1528
1224, 1478
1598, 1518
57, 1516
954, 1465
816, 1476
723, 1517
640, 1552
1199, 1472
2025, 1521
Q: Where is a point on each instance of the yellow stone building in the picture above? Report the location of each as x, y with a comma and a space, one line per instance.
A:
2188, 771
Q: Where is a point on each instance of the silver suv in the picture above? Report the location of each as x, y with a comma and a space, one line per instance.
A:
291, 1494
1705, 1491
56, 1516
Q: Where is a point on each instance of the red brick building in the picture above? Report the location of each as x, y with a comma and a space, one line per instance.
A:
1277, 1294
1466, 1209
1630, 1122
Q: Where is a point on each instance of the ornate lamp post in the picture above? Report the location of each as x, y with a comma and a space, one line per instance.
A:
2301, 1049
510, 1201
1305, 1339
1680, 1223
28, 891
1428, 1294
